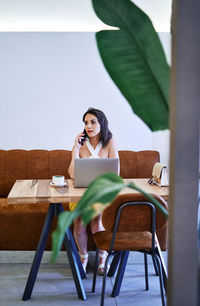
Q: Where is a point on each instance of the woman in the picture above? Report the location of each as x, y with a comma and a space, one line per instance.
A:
95, 142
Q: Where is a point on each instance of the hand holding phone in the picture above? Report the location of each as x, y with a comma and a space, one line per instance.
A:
82, 140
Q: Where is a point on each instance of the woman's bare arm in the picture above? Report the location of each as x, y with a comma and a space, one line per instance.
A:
113, 151
75, 154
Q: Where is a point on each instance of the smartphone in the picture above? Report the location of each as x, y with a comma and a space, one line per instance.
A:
82, 140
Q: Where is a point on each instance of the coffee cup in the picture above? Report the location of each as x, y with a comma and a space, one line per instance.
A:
58, 180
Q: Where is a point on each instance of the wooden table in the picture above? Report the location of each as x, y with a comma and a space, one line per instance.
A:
37, 191
145, 186
34, 191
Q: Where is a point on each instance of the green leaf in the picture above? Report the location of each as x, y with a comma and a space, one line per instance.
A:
135, 60
65, 219
99, 194
150, 197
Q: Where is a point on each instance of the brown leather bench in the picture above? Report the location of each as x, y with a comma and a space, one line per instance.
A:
20, 225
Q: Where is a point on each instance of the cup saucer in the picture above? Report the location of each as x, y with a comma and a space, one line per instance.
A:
56, 185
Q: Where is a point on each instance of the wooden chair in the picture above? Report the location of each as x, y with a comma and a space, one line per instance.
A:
130, 223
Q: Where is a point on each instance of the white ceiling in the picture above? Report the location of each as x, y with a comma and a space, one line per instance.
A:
70, 15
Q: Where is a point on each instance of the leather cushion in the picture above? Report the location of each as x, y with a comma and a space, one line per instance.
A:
132, 241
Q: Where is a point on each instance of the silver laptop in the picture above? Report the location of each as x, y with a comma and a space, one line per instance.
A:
87, 169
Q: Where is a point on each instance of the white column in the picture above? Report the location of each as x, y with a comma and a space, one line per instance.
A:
184, 152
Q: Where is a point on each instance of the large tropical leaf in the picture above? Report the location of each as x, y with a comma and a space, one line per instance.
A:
99, 194
135, 60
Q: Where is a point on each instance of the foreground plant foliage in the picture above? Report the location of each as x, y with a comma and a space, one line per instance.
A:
134, 58
100, 193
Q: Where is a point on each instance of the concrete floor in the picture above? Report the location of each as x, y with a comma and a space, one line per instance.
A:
54, 285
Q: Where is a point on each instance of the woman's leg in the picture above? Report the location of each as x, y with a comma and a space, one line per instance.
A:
80, 235
97, 226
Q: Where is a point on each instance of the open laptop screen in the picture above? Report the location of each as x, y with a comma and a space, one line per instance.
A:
87, 169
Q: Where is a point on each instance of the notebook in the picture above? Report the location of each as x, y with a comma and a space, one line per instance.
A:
87, 169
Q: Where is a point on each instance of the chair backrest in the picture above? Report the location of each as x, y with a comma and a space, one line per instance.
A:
133, 218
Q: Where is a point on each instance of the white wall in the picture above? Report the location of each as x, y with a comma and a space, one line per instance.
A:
48, 80
69, 15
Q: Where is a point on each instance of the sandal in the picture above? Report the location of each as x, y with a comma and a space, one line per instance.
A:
102, 265
84, 260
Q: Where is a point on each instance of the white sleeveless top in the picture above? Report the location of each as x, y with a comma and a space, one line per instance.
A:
94, 152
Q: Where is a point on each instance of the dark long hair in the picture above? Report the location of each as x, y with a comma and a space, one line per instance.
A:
105, 133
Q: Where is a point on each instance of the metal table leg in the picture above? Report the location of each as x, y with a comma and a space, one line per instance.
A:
120, 273
73, 244
71, 250
39, 253
163, 266
114, 264
54, 210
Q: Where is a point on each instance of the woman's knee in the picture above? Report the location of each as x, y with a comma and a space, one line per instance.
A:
96, 225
